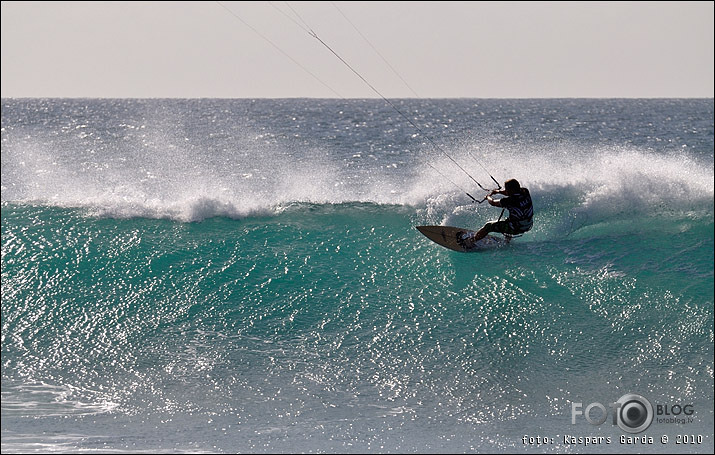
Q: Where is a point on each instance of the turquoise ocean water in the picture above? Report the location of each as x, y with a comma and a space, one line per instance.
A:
245, 275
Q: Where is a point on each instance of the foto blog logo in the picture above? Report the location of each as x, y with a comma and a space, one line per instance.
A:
632, 413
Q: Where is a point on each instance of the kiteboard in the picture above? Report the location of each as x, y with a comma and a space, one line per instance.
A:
451, 237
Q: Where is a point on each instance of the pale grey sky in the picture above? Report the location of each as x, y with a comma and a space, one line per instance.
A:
441, 49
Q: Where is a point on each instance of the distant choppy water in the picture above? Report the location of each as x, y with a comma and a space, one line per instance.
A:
245, 276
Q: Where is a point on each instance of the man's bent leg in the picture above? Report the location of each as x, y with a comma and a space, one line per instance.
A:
480, 234
486, 229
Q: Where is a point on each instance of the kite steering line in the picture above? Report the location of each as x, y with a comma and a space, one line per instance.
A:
312, 33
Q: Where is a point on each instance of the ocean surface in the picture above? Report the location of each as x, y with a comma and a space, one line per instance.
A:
209, 275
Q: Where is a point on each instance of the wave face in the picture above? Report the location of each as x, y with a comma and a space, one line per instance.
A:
244, 275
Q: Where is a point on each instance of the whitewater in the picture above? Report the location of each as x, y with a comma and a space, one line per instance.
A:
207, 275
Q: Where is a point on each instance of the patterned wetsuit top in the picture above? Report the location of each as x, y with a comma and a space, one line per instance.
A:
521, 211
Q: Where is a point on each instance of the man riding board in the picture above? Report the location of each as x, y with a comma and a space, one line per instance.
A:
521, 214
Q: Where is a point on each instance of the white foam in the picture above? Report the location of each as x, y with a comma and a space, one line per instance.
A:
177, 184
600, 181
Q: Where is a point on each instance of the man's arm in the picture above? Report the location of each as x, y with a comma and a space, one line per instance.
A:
494, 202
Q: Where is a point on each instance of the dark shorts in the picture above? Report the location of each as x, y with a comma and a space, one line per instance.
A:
503, 227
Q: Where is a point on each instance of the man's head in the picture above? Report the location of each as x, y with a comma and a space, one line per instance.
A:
512, 186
